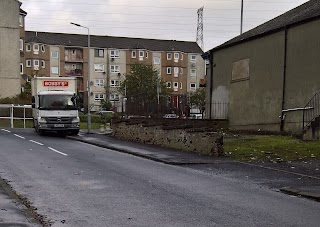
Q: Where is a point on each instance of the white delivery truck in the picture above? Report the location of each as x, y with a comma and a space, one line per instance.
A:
54, 104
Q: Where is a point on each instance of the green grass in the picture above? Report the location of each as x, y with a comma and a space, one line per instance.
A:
270, 148
5, 123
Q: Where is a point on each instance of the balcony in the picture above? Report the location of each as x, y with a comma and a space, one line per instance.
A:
74, 72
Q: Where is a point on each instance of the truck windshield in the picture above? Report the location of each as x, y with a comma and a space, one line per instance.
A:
57, 102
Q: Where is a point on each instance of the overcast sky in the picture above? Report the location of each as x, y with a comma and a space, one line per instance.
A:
159, 19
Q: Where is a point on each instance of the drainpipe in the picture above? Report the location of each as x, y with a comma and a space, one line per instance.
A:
211, 83
284, 78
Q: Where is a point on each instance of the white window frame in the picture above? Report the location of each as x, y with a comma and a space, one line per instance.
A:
36, 63
176, 56
98, 96
98, 67
43, 64
114, 69
114, 97
169, 56
74, 52
53, 54
115, 54
147, 54
156, 62
193, 72
100, 53
193, 58
175, 84
168, 84
181, 70
176, 70
180, 85
99, 82
35, 47
141, 53
28, 63
55, 70
182, 56
169, 71
20, 20
133, 54
114, 83
21, 44
21, 68
43, 48
28, 47
193, 88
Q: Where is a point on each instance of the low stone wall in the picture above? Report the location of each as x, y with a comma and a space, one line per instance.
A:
182, 137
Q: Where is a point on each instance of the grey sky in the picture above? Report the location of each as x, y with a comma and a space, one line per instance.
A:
162, 19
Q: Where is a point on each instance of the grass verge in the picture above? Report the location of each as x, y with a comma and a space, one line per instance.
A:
270, 148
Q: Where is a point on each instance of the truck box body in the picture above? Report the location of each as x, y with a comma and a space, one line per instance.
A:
54, 104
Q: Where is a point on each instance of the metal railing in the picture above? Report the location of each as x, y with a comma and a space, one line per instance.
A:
311, 111
9, 113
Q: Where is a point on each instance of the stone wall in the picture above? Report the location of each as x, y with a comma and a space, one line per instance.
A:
184, 137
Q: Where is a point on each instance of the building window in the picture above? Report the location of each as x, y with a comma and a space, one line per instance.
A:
43, 48
28, 63
176, 57
21, 68
99, 82
99, 67
156, 60
193, 86
114, 97
114, 83
114, 68
181, 56
35, 47
54, 70
175, 84
99, 53
43, 64
98, 96
168, 70
54, 54
74, 52
114, 53
193, 72
181, 70
28, 47
169, 56
176, 70
141, 54
193, 58
180, 85
35, 64
73, 66
147, 54
168, 84
21, 44
133, 54
20, 20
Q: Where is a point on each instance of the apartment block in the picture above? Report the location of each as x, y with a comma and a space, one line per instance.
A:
179, 63
11, 68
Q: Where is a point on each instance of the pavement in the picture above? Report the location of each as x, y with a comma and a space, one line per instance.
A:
176, 157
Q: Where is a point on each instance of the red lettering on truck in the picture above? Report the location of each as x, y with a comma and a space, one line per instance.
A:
55, 83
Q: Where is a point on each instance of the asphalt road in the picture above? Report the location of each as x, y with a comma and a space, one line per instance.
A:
76, 184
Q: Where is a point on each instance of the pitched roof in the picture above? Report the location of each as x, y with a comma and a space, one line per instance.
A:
303, 13
112, 42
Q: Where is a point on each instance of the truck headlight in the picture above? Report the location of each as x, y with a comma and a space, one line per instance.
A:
42, 120
76, 120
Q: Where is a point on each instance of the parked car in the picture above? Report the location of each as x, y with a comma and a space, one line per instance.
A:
170, 116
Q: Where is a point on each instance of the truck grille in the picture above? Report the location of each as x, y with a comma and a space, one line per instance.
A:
58, 120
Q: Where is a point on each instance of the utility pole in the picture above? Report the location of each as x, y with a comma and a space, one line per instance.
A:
199, 39
241, 25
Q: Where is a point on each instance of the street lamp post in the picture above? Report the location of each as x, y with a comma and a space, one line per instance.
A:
88, 82
241, 24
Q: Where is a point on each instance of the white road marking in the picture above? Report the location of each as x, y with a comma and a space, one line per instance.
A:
19, 136
57, 151
36, 142
5, 130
